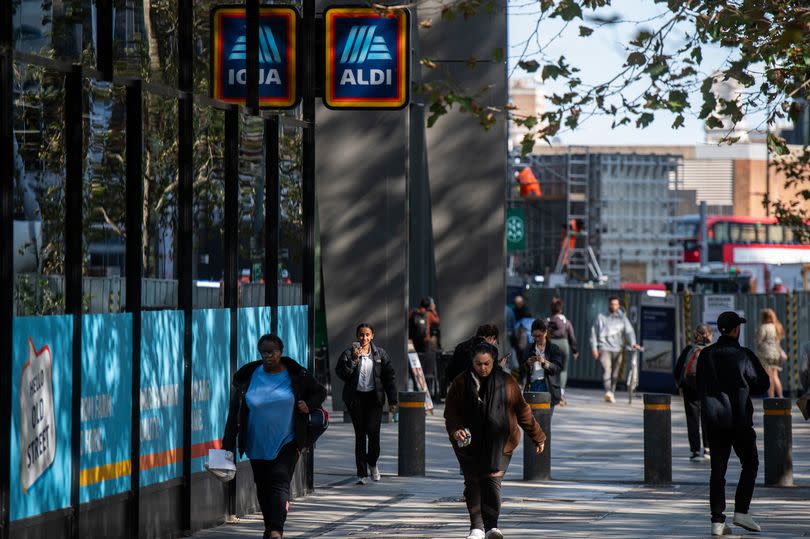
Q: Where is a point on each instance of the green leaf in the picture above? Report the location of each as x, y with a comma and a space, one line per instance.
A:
678, 121
550, 71
527, 144
713, 122
696, 55
584, 31
530, 66
644, 120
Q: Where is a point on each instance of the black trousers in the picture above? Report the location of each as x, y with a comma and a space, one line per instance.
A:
272, 478
366, 415
694, 423
744, 443
483, 497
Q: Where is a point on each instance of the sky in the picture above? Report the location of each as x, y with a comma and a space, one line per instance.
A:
600, 56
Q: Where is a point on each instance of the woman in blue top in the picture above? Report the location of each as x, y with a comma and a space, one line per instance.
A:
270, 401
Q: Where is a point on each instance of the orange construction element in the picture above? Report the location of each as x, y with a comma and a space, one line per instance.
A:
529, 186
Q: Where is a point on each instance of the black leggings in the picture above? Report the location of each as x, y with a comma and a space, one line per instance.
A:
483, 497
694, 422
272, 478
366, 415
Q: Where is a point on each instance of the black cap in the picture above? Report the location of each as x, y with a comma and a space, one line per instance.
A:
729, 320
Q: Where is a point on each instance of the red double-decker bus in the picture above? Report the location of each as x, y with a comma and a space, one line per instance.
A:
743, 240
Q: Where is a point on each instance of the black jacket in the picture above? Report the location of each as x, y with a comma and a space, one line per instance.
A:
727, 368
680, 364
304, 387
462, 358
384, 378
552, 372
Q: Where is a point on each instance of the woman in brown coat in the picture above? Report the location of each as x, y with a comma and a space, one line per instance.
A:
483, 415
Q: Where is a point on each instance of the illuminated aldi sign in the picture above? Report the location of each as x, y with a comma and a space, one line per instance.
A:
367, 64
278, 84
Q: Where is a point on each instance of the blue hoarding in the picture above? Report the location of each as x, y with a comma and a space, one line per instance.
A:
292, 328
367, 53
161, 398
252, 323
42, 375
210, 381
106, 405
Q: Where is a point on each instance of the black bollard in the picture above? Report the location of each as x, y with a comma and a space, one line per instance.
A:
411, 460
657, 439
538, 467
778, 443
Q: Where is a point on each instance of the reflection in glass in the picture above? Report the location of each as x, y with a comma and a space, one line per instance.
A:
145, 40
251, 211
39, 194
55, 29
291, 226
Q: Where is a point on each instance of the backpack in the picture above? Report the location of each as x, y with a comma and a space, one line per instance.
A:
689, 376
417, 327
317, 423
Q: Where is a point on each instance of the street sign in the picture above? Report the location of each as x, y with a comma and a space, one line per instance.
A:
515, 229
367, 58
278, 84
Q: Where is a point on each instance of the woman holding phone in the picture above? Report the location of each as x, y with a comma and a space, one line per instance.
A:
483, 414
369, 376
542, 363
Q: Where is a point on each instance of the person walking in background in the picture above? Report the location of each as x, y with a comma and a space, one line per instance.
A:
727, 375
561, 334
608, 335
369, 376
767, 338
423, 327
685, 373
483, 411
463, 353
542, 364
267, 419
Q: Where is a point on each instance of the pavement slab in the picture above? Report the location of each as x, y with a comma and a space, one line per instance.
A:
597, 488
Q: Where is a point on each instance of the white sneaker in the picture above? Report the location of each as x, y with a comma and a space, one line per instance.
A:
744, 520
720, 528
475, 533
494, 533
360, 480
609, 397
375, 473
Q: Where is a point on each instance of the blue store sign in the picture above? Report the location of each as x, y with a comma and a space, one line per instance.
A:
367, 62
278, 85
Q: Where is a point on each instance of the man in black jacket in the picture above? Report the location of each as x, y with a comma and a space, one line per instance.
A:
727, 375
463, 353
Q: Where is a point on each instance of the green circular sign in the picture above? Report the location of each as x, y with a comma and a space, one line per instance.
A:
514, 229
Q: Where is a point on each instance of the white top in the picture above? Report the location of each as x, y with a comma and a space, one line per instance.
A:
538, 373
365, 382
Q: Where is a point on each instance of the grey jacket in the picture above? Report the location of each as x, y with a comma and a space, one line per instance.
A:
609, 332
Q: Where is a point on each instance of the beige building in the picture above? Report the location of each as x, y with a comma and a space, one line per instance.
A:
527, 96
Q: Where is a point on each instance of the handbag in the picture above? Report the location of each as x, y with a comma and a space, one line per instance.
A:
317, 423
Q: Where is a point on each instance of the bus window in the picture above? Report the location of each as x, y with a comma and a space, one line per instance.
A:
742, 233
776, 233
720, 232
789, 237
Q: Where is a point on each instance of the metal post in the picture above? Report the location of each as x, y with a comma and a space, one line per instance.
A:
252, 56
657, 439
308, 195
411, 454
6, 257
704, 235
231, 247
778, 443
538, 467
74, 104
134, 280
104, 38
185, 189
271, 219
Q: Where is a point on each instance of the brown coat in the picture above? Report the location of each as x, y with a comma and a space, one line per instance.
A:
520, 413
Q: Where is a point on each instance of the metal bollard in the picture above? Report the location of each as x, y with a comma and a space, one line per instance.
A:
538, 467
657, 439
778, 443
411, 461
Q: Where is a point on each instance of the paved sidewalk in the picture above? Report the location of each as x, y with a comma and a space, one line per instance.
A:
597, 490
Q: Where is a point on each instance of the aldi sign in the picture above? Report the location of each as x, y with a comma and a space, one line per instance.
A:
278, 86
367, 63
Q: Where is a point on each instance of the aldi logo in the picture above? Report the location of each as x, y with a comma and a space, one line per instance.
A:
367, 63
278, 86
